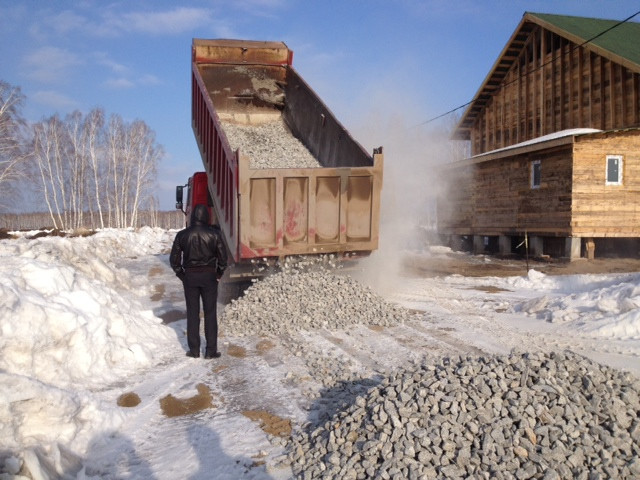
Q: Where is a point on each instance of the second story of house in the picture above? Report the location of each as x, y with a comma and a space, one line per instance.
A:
557, 73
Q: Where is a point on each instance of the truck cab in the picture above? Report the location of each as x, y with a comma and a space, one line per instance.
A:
197, 193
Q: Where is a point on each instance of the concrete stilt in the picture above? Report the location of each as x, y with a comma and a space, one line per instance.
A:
504, 245
478, 244
536, 246
572, 247
455, 242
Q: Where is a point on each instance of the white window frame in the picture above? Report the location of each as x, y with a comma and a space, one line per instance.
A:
606, 172
534, 164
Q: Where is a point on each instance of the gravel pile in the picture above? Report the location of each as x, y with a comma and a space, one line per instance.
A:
296, 299
536, 415
270, 145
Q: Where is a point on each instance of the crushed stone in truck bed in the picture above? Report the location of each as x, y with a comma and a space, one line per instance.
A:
270, 145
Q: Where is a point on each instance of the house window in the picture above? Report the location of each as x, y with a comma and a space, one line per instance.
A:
614, 170
535, 174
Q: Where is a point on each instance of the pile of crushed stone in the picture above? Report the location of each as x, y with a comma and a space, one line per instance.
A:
535, 415
297, 299
270, 145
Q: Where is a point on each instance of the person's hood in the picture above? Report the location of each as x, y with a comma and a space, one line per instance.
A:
200, 215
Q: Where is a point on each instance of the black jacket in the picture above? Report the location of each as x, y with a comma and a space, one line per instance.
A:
199, 245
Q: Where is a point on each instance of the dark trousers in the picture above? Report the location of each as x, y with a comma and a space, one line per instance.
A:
203, 285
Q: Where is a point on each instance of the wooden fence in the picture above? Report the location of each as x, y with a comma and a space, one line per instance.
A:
42, 220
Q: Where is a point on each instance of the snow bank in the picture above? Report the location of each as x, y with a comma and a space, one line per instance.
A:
594, 305
70, 324
35, 413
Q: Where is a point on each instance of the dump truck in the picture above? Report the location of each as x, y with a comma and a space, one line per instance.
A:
276, 208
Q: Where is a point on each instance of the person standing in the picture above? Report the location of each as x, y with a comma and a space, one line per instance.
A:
199, 258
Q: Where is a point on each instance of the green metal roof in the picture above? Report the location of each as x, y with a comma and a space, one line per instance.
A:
622, 41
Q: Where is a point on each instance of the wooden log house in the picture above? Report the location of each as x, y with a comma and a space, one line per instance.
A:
555, 143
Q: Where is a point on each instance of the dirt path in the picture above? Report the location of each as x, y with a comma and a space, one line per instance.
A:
493, 266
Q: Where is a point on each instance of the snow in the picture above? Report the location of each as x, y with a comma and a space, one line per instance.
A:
571, 132
81, 322
598, 306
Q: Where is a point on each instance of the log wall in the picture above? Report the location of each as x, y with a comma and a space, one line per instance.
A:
499, 200
455, 209
601, 210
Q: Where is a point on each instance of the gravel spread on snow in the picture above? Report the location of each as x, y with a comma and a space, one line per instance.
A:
270, 145
532, 415
298, 299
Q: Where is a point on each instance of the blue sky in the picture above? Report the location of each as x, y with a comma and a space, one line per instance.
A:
375, 63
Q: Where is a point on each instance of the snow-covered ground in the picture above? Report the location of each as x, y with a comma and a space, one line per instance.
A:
89, 323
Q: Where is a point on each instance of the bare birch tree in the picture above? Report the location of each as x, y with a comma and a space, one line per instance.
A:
86, 166
148, 154
94, 139
114, 148
48, 157
12, 152
133, 156
76, 132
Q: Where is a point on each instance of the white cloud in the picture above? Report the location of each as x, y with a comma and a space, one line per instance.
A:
12, 16
119, 83
178, 20
130, 82
55, 100
104, 59
49, 64
67, 21
109, 22
259, 8
149, 79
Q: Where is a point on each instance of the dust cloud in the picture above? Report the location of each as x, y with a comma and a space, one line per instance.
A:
411, 188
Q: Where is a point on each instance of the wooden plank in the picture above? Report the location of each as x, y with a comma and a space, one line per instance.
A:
531, 123
494, 122
543, 61
612, 95
635, 103
581, 87
623, 95
563, 123
485, 143
526, 100
592, 122
502, 116
603, 124
519, 110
